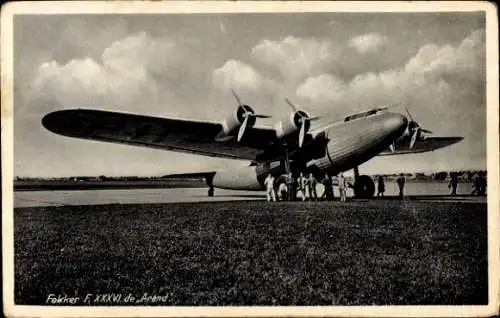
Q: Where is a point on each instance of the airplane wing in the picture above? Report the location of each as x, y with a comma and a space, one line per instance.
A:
190, 136
423, 145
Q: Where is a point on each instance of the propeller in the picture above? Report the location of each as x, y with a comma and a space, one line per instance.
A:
302, 119
392, 147
245, 114
242, 129
415, 129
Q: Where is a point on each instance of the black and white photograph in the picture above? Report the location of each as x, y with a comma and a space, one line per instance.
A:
250, 158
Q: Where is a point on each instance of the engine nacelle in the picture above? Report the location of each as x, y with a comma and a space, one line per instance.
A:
242, 178
291, 124
246, 177
234, 121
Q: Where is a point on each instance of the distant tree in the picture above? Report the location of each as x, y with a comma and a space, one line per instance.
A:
420, 176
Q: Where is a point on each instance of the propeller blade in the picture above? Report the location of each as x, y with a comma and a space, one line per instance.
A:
294, 108
314, 118
417, 129
392, 147
243, 128
236, 96
302, 133
413, 139
409, 115
261, 116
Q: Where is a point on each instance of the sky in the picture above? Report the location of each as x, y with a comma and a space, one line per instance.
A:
185, 65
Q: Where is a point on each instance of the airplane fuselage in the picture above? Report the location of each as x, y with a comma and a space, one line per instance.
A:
346, 145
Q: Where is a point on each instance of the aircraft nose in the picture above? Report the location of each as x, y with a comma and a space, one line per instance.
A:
396, 122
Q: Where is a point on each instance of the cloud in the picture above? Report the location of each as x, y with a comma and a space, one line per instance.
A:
323, 88
442, 85
295, 58
84, 81
238, 75
157, 75
368, 43
447, 60
136, 71
143, 70
142, 51
252, 87
429, 75
123, 76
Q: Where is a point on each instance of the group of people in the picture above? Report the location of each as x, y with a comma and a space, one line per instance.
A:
288, 188
381, 185
479, 186
401, 180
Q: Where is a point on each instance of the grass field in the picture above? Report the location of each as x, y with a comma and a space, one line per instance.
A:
255, 253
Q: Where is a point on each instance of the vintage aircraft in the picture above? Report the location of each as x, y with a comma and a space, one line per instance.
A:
293, 144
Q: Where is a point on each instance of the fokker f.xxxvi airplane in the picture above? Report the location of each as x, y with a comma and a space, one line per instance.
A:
293, 144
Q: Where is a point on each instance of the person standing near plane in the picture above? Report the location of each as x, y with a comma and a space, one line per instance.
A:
327, 183
479, 185
380, 186
342, 193
482, 184
307, 189
401, 184
302, 185
290, 187
282, 192
312, 187
269, 183
453, 183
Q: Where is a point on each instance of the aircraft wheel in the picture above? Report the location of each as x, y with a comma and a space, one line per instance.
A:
210, 192
364, 187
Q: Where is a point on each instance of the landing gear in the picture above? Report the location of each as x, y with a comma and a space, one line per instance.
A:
209, 178
364, 187
285, 162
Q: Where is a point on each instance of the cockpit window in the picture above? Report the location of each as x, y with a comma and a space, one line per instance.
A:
363, 114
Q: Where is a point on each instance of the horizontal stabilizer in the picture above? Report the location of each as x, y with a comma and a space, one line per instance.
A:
190, 175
